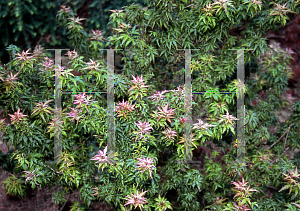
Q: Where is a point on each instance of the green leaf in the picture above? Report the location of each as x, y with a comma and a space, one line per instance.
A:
284, 188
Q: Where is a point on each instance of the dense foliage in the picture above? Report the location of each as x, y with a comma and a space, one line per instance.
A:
30, 23
150, 112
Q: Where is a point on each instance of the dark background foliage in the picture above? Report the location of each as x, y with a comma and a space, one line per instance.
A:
26, 23
38, 28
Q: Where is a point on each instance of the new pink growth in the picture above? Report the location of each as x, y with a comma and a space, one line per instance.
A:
158, 96
24, 56
101, 157
72, 54
242, 189
179, 92
30, 176
17, 116
136, 199
64, 9
138, 83
92, 65
124, 108
241, 207
81, 98
146, 163
202, 125
144, 127
97, 35
74, 114
170, 133
96, 32
228, 118
240, 185
48, 63
165, 113
289, 51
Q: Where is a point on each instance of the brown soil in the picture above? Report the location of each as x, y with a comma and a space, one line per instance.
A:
40, 199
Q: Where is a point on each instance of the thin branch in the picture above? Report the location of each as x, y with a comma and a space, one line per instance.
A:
279, 138
286, 137
276, 160
287, 131
65, 203
57, 172
82, 143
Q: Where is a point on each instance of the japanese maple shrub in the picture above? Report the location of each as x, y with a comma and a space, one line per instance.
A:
149, 119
